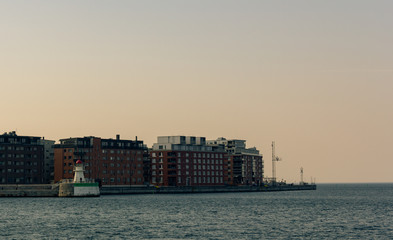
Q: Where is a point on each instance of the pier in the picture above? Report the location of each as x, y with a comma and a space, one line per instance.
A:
52, 190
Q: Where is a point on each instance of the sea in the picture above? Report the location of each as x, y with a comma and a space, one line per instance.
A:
333, 211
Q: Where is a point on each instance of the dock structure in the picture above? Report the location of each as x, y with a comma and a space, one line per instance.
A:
52, 190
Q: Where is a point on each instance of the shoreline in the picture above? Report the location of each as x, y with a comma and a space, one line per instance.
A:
52, 190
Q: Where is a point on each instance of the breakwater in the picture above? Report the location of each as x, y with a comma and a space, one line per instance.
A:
52, 190
29, 190
115, 190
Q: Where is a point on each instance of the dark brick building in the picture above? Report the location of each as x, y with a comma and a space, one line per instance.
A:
21, 159
111, 161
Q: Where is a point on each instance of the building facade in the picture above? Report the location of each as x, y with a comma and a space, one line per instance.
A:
48, 159
187, 161
245, 165
110, 161
21, 159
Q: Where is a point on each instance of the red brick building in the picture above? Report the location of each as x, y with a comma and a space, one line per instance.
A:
111, 161
187, 161
245, 165
21, 159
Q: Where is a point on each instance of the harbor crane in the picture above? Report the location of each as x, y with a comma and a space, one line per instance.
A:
274, 160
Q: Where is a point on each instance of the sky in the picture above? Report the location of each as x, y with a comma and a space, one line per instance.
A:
316, 77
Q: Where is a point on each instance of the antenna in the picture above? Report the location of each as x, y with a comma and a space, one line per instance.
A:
301, 176
274, 160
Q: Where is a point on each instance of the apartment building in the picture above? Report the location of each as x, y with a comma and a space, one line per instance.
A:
110, 161
21, 159
187, 161
245, 165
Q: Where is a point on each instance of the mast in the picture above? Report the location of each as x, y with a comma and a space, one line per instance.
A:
274, 160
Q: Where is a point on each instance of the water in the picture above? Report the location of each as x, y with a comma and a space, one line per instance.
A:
334, 211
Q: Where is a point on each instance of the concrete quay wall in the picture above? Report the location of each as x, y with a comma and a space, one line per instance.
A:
115, 190
52, 190
29, 190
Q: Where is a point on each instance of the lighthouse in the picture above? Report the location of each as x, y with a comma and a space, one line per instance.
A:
79, 187
79, 169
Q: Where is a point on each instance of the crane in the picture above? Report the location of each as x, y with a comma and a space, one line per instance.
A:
274, 160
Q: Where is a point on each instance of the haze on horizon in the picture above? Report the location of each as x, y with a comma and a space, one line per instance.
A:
314, 76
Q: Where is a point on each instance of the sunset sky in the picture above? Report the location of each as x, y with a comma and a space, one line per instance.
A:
316, 77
